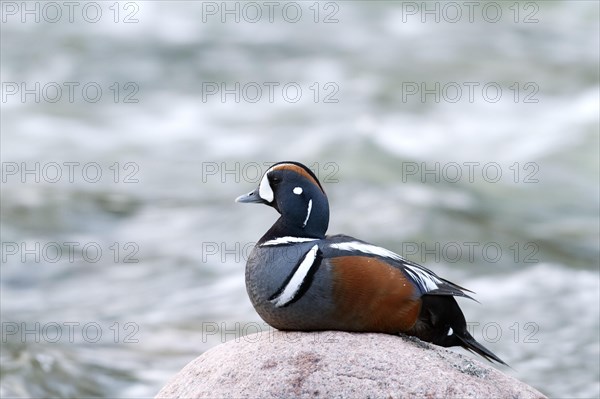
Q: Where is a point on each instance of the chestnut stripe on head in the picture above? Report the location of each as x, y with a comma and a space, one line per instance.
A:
300, 170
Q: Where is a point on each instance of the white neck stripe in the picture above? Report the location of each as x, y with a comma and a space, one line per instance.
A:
307, 213
291, 289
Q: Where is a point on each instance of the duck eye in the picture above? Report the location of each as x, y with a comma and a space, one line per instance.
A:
275, 180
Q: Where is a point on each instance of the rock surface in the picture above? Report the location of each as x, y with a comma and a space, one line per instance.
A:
330, 364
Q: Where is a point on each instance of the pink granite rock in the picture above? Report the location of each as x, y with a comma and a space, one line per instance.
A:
330, 364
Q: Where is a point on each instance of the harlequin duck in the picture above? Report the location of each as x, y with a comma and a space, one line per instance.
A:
300, 279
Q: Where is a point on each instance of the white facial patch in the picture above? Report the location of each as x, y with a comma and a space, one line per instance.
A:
297, 190
264, 190
450, 332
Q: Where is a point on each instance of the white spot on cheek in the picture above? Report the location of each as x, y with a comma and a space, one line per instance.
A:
297, 190
450, 331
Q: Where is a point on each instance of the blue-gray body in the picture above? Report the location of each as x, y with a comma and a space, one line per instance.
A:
267, 270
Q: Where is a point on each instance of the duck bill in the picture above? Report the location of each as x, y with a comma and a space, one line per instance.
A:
251, 197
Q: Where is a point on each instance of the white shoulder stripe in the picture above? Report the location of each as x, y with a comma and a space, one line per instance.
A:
366, 248
293, 286
286, 240
425, 280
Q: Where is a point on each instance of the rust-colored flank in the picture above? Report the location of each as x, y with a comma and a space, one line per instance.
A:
373, 295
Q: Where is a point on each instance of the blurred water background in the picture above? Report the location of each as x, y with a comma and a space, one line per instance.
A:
111, 283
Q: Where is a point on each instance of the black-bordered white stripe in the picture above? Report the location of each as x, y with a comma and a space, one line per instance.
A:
286, 240
307, 213
299, 280
422, 277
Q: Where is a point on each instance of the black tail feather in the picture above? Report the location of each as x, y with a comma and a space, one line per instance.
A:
468, 342
441, 322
